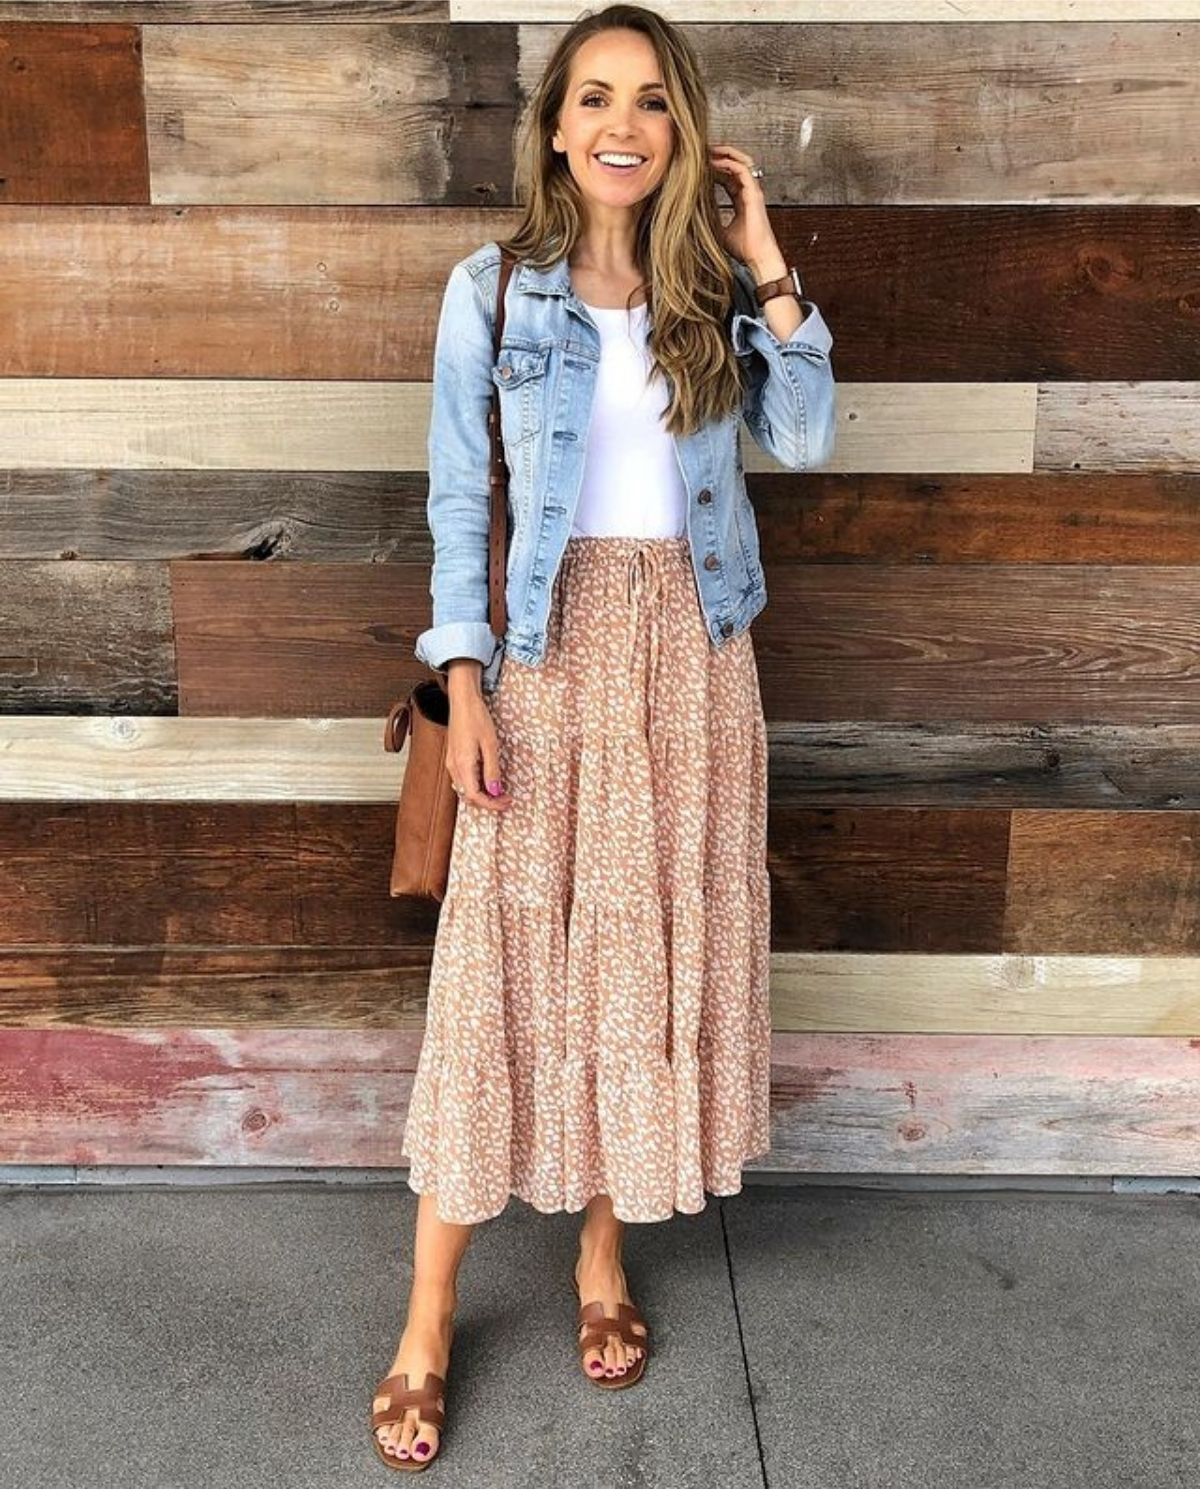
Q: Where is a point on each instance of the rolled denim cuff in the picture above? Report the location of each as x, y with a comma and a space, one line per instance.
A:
812, 335
457, 638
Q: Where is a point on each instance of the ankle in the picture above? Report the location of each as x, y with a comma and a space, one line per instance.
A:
433, 1304
599, 1252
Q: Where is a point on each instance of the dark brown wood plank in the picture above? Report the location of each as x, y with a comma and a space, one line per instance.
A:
1099, 882
262, 640
814, 518
821, 517
251, 874
205, 873
72, 122
86, 638
1032, 292
945, 293
886, 878
231, 986
1052, 643
1037, 644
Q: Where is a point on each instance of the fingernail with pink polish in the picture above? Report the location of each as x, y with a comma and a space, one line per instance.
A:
494, 788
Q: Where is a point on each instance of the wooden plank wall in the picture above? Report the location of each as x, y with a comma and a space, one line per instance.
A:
225, 226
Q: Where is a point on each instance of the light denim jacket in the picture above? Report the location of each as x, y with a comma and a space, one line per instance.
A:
546, 374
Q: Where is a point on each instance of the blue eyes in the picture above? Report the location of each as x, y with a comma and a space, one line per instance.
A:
662, 102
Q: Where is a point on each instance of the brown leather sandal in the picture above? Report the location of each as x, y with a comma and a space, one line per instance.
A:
601, 1325
401, 1398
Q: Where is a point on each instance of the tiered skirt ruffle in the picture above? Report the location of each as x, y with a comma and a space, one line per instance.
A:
598, 1016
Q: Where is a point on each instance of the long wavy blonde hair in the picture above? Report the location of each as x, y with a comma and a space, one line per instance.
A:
680, 255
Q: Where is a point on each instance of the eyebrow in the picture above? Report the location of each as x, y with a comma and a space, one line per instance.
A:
587, 82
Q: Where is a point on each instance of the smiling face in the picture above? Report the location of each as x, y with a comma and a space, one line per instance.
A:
615, 102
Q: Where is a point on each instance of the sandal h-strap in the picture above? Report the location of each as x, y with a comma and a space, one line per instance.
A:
595, 1338
401, 1398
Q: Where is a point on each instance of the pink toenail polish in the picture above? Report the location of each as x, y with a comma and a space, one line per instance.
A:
595, 1365
422, 1447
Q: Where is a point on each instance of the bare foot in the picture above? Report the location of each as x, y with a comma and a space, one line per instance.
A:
424, 1345
602, 1277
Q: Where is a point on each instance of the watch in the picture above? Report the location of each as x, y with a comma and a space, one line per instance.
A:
789, 284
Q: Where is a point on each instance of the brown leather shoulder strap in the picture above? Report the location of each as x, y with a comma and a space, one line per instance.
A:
498, 479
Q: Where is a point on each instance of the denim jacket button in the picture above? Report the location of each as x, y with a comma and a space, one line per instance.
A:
506, 372
712, 561
704, 496
726, 628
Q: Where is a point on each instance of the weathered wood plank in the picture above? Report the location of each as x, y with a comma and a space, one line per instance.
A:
282, 425
843, 879
972, 643
1115, 767
269, 292
72, 126
1060, 517
815, 517
1096, 881
1033, 112
1117, 427
237, 424
232, 986
1018, 643
291, 425
839, 1102
86, 638
385, 987
830, 12
371, 113
979, 292
370, 517
325, 637
213, 873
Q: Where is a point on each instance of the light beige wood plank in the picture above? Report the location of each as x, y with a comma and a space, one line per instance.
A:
904, 993
269, 424
1119, 426
281, 424
926, 427
164, 757
52, 757
264, 113
182, 423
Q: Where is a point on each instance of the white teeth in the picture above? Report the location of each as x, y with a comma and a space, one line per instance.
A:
610, 159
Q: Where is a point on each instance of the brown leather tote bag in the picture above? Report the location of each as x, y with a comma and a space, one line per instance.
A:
428, 805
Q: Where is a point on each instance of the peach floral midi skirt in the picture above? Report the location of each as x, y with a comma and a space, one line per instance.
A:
598, 1018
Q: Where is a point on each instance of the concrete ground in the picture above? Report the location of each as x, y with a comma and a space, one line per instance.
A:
803, 1337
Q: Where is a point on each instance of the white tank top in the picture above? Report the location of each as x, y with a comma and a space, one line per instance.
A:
632, 485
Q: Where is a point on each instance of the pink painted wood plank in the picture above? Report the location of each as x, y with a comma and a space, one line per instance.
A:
840, 1102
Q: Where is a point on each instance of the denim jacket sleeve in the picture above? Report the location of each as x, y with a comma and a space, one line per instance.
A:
790, 398
458, 504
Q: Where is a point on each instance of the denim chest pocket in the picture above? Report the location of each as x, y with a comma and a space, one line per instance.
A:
520, 374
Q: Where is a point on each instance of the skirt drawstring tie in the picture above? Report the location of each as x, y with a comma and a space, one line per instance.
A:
644, 578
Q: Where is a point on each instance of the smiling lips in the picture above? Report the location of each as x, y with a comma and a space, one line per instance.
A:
619, 169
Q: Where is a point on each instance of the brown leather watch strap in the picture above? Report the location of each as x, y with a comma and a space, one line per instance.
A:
786, 284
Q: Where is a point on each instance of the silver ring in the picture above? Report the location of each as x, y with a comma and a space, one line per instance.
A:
756, 171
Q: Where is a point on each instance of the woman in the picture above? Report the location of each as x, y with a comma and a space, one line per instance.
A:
598, 1027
